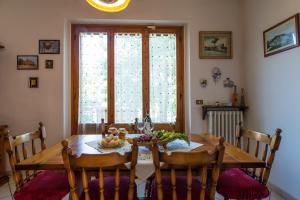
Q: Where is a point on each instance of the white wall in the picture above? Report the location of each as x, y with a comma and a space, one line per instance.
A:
273, 88
23, 23
272, 83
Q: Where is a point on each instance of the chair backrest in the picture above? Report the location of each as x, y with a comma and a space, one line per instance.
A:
92, 128
15, 145
199, 161
87, 162
267, 153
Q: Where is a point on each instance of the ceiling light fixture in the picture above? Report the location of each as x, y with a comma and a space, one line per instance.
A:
109, 5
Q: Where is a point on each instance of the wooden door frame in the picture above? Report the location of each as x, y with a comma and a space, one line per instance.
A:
76, 29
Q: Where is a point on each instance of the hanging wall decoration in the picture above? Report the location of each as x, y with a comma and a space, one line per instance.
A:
216, 74
282, 37
215, 44
49, 46
49, 64
27, 62
203, 83
33, 82
228, 83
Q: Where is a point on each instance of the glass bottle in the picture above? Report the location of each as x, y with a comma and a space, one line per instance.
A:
243, 102
234, 97
148, 125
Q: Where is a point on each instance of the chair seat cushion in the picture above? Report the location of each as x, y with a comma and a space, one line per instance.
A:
109, 188
236, 184
181, 188
47, 185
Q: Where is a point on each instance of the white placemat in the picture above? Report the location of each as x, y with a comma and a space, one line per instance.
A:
121, 150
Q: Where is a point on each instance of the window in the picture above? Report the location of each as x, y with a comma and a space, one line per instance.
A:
163, 64
128, 77
93, 78
122, 73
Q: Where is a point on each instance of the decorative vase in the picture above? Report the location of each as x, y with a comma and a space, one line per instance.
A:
234, 97
243, 102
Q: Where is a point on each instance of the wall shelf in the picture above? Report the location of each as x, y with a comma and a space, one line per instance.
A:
206, 109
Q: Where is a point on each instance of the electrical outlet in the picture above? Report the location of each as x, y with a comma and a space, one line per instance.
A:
199, 102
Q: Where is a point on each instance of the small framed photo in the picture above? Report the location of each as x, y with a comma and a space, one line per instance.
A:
49, 64
33, 82
215, 44
28, 62
49, 46
282, 36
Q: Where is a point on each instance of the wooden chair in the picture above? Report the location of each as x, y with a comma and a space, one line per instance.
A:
4, 179
117, 187
130, 127
92, 128
35, 185
189, 187
251, 183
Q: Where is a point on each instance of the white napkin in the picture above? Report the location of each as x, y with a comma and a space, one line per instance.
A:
181, 146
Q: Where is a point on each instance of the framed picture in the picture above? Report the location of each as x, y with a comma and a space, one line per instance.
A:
28, 62
49, 64
33, 82
215, 44
49, 46
282, 36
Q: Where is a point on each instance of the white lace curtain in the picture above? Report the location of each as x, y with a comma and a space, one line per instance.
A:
163, 65
93, 61
128, 77
92, 78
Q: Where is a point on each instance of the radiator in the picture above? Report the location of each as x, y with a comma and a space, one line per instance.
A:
223, 123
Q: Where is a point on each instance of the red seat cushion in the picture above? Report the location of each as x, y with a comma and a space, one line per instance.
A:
236, 184
47, 185
181, 188
109, 188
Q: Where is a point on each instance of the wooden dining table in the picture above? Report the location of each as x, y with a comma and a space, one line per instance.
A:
51, 159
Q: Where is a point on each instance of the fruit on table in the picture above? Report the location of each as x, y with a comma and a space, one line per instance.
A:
144, 138
123, 130
113, 131
122, 133
164, 136
111, 141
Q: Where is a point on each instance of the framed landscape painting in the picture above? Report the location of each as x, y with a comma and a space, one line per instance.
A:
49, 46
215, 44
282, 37
26, 62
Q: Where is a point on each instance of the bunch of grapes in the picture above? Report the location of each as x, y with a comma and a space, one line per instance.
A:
144, 138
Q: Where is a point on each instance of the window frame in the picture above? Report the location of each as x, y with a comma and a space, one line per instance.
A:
76, 29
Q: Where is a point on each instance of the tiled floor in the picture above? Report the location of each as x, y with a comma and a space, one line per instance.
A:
5, 194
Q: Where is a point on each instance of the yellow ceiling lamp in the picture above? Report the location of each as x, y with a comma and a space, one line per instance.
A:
109, 5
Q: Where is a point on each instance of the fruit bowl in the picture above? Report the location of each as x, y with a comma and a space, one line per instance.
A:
111, 142
145, 140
